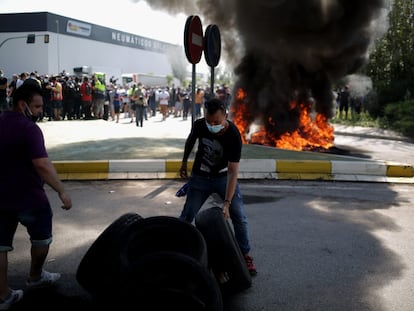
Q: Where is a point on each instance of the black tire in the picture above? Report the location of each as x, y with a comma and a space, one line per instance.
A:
98, 270
163, 233
169, 281
224, 255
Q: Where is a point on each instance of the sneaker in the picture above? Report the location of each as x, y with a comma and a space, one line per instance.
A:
14, 296
46, 279
250, 265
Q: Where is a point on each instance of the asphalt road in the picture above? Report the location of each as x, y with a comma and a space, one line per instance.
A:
317, 245
107, 140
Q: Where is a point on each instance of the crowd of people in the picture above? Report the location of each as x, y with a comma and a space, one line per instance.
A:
28, 169
348, 103
71, 97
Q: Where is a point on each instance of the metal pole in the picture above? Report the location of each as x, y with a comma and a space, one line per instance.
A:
212, 83
193, 95
57, 44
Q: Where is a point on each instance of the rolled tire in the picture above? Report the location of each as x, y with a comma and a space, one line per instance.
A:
224, 255
98, 270
169, 281
163, 233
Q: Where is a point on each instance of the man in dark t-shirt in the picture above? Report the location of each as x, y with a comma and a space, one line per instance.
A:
215, 170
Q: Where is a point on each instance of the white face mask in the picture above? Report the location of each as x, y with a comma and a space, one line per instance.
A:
214, 128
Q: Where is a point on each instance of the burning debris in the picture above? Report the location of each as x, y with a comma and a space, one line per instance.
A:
287, 54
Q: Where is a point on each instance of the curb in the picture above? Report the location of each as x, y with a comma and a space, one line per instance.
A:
375, 171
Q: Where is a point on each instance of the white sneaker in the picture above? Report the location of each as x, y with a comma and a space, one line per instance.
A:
46, 279
14, 296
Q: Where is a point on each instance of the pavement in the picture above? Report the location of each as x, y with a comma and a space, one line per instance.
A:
106, 150
308, 248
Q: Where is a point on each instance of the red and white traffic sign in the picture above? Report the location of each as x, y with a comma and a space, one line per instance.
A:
193, 39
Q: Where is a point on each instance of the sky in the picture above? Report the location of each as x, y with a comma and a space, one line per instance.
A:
137, 18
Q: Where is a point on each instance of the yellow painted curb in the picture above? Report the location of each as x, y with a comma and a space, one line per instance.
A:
398, 170
81, 166
173, 166
83, 176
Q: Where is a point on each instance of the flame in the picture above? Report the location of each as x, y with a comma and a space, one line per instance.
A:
312, 133
241, 115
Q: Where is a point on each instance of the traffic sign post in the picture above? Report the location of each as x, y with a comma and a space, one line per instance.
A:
193, 45
212, 50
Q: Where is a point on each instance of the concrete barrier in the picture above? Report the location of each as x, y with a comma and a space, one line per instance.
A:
376, 171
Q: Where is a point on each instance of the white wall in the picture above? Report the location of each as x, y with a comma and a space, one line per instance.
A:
66, 52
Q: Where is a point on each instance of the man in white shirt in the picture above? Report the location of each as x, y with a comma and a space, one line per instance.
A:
164, 97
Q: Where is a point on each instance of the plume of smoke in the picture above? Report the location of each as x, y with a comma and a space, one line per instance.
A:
359, 85
296, 49
285, 50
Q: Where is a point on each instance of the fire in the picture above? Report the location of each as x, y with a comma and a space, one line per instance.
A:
312, 133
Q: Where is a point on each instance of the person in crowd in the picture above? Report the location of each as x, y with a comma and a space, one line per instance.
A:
86, 91
98, 97
57, 97
47, 98
116, 104
152, 101
140, 100
164, 97
12, 88
344, 100
199, 102
22, 192
32, 78
215, 170
69, 95
4, 105
178, 107
186, 96
23, 76
132, 106
77, 108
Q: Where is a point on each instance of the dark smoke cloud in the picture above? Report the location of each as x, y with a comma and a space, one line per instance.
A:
284, 50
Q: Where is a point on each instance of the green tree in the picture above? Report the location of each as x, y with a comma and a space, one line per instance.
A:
391, 65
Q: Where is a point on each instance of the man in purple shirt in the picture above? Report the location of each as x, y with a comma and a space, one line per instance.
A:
25, 167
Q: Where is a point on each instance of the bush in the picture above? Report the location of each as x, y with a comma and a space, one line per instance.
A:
400, 117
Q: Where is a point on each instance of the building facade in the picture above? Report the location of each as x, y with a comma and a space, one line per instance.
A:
62, 44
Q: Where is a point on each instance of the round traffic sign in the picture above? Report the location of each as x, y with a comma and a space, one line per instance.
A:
212, 45
193, 39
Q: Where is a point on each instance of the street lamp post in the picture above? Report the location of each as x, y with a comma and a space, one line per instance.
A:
57, 46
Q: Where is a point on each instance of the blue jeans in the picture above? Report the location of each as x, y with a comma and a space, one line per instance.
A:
37, 220
200, 188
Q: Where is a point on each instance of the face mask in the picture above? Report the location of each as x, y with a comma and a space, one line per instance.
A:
214, 128
29, 114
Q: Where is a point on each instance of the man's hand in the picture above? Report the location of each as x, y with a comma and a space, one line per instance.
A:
183, 170
226, 207
66, 200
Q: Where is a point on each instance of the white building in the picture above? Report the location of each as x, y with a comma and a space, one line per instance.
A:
74, 43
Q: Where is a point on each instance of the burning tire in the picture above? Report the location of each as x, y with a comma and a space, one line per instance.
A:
98, 270
169, 281
224, 255
162, 234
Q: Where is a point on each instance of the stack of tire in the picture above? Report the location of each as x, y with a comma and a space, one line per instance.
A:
155, 263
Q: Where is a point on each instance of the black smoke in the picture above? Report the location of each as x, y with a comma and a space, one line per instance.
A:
286, 50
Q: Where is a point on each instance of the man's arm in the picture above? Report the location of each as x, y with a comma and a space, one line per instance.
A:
48, 172
232, 175
189, 145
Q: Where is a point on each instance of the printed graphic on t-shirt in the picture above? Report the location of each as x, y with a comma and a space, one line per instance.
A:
213, 153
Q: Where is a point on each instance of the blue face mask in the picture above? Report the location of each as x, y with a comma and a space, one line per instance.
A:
214, 128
